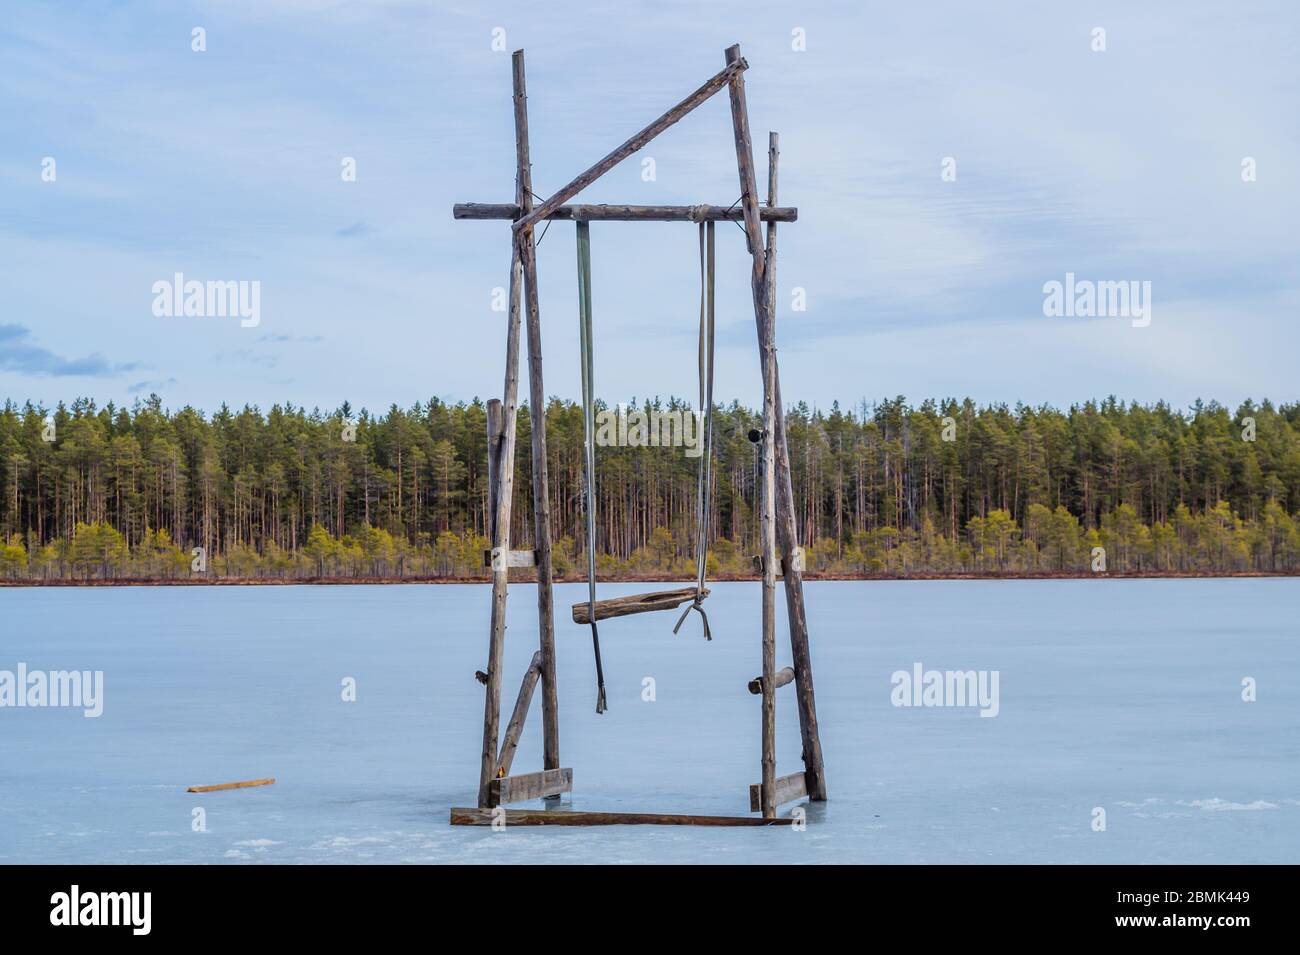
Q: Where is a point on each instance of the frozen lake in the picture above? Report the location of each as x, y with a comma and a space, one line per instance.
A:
1123, 695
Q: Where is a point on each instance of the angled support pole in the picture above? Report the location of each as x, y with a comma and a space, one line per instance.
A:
537, 418
767, 353
566, 192
786, 534
515, 728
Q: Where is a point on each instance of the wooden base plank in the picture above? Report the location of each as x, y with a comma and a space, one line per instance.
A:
560, 817
788, 789
220, 787
548, 782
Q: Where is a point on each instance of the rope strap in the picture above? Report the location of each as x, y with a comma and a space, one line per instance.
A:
702, 495
589, 440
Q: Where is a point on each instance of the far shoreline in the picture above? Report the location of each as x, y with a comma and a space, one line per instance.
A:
523, 578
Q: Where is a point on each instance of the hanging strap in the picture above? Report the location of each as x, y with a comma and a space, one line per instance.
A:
702, 493
589, 440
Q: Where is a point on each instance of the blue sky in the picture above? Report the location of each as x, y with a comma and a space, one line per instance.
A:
225, 165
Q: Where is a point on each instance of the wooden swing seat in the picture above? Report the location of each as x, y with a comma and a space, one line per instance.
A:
635, 603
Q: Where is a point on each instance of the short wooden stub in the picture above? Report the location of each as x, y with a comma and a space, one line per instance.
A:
548, 782
635, 603
798, 560
241, 785
782, 678
788, 789
516, 558
559, 817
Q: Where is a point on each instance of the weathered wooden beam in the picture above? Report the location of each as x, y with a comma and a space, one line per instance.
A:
634, 603
783, 676
788, 789
221, 787
537, 419
560, 817
735, 66
786, 531
503, 495
548, 782
515, 728
606, 212
767, 357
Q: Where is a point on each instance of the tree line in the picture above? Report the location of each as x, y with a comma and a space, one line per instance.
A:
882, 488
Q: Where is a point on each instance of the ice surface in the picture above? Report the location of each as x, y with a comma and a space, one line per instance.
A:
1124, 695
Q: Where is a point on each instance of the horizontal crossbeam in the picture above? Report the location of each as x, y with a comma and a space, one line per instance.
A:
623, 213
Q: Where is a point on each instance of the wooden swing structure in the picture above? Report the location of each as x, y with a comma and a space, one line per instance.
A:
781, 557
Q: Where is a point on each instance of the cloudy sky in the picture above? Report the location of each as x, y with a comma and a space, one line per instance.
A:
225, 164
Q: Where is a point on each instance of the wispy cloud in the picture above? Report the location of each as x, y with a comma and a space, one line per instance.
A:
18, 353
294, 339
141, 386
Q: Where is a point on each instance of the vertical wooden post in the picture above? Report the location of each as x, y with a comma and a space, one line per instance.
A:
503, 493
537, 417
495, 427
786, 534
767, 353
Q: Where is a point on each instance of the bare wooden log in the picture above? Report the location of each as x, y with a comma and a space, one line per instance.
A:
537, 418
548, 782
515, 728
735, 66
787, 534
788, 789
608, 212
503, 494
560, 817
220, 787
634, 603
783, 676
767, 355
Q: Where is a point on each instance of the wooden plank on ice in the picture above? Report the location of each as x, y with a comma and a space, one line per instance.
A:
788, 789
548, 782
219, 787
560, 817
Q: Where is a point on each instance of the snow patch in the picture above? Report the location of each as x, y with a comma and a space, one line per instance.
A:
1222, 805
